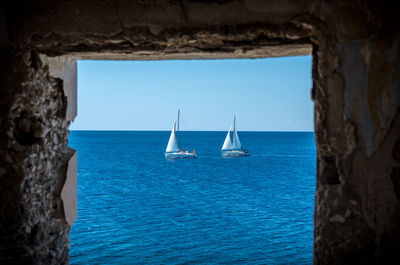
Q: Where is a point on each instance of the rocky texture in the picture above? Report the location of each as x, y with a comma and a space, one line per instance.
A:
34, 149
356, 90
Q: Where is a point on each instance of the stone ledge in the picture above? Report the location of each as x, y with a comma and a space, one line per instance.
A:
69, 191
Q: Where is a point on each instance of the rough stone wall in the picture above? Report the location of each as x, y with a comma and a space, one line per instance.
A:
34, 152
356, 90
357, 98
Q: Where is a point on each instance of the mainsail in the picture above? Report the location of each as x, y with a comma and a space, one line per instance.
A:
236, 142
228, 143
172, 143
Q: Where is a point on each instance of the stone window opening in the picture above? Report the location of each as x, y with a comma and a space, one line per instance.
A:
356, 55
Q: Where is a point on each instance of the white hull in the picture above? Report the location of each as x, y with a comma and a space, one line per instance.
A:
235, 153
180, 154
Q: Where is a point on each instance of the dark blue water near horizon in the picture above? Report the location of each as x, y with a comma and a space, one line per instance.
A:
136, 207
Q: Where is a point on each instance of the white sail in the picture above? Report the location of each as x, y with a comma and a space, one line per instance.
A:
228, 142
236, 142
172, 143
233, 147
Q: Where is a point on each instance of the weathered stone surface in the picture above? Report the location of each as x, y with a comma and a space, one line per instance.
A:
65, 68
69, 191
356, 90
31, 221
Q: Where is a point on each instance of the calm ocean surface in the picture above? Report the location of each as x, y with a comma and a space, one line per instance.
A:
136, 207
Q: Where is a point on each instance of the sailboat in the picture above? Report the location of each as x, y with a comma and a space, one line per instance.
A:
172, 150
233, 147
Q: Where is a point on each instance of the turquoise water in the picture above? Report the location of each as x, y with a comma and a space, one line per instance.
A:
136, 207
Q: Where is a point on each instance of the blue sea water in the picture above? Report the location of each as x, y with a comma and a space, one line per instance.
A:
136, 207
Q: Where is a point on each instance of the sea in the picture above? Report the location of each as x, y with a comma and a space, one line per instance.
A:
137, 207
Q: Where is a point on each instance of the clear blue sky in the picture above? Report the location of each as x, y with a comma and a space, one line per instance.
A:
272, 94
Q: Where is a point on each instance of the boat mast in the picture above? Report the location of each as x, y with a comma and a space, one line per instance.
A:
178, 118
234, 130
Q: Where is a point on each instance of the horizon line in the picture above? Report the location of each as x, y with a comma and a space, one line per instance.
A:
124, 130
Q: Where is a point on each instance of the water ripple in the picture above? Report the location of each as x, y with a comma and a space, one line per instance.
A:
135, 207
